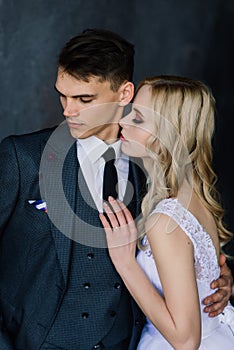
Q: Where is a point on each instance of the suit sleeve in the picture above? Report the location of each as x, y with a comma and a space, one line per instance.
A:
9, 186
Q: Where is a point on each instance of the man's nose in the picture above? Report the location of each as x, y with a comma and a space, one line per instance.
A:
71, 109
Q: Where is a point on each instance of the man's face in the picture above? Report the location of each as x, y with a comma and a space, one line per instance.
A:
90, 108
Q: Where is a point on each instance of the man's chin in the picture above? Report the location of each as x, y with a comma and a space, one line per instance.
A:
78, 135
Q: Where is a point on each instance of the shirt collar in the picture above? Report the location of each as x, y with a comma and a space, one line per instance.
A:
94, 147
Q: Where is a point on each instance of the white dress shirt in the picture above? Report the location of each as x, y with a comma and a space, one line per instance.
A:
89, 153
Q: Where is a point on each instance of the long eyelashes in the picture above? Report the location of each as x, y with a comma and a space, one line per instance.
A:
137, 120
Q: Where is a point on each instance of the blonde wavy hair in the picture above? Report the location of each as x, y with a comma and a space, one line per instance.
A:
182, 146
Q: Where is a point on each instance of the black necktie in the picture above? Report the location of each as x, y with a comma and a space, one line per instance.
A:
110, 177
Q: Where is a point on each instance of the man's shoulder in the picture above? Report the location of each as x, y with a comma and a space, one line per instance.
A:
35, 137
26, 144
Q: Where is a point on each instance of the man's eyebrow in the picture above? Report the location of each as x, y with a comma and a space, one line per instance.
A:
76, 96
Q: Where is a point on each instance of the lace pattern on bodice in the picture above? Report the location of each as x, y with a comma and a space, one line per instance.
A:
205, 258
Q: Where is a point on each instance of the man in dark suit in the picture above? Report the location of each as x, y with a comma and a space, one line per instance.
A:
58, 287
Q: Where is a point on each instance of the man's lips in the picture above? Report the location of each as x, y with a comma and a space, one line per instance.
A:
74, 124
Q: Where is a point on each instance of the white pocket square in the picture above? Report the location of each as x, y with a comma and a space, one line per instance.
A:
38, 204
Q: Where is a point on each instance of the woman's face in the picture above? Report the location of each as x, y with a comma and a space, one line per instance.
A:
138, 125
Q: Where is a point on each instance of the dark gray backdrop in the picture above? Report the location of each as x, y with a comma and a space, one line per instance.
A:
186, 37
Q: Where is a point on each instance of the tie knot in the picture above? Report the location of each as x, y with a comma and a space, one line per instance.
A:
109, 154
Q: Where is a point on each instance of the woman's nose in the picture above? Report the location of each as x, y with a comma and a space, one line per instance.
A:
125, 120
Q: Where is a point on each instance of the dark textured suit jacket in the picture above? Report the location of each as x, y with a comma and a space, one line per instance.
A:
34, 254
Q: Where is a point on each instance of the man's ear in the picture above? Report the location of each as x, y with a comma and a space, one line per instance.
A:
126, 93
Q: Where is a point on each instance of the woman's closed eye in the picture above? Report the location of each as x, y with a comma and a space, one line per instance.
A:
137, 119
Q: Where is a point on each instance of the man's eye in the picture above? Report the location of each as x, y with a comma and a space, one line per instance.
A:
86, 100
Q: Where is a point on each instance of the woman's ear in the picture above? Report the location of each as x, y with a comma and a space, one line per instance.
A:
126, 93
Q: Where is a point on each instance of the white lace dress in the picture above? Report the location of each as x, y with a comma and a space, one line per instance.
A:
218, 332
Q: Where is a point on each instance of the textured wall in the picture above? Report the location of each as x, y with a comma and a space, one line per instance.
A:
194, 38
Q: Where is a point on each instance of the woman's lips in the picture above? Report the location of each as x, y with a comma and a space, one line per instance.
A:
122, 138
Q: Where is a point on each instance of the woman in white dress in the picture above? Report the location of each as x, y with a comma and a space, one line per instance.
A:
181, 230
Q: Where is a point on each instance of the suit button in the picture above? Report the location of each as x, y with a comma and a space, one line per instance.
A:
97, 346
85, 315
87, 285
137, 322
90, 256
117, 285
112, 313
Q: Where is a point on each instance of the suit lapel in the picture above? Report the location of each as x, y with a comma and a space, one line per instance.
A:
58, 176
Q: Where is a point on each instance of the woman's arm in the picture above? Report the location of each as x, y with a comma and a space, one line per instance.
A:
177, 316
